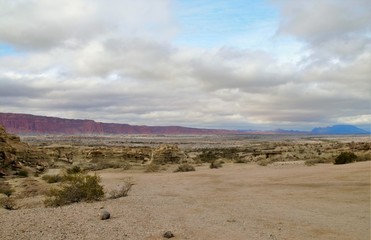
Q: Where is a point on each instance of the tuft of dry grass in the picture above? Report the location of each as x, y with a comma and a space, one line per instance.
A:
185, 168
122, 190
6, 189
152, 168
8, 203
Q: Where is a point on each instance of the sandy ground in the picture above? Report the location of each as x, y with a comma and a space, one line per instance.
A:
238, 201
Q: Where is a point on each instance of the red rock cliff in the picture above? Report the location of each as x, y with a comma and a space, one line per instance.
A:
31, 124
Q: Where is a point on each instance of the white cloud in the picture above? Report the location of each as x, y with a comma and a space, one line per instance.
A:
45, 24
114, 61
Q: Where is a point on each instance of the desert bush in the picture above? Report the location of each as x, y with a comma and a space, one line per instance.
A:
264, 162
6, 189
345, 157
185, 168
216, 164
363, 157
208, 156
152, 168
22, 173
7, 203
123, 190
74, 170
52, 178
76, 188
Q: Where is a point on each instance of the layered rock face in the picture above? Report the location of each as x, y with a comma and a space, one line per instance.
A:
16, 155
31, 124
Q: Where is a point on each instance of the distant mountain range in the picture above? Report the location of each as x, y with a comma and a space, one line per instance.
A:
339, 129
24, 124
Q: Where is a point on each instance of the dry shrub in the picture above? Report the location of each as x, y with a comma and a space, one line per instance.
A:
364, 157
76, 188
216, 164
152, 168
31, 188
74, 170
8, 203
185, 168
52, 178
6, 189
122, 190
264, 162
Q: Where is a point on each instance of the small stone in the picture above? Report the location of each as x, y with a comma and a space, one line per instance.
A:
168, 234
104, 215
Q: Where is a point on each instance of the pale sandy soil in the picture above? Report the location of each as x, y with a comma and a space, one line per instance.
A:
238, 201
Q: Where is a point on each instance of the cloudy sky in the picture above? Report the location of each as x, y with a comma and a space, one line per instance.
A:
232, 64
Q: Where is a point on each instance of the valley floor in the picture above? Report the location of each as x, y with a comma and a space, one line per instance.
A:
238, 201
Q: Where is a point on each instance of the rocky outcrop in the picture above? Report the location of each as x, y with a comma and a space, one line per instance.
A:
15, 155
31, 124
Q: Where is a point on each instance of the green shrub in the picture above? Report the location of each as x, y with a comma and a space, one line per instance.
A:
76, 188
345, 157
52, 178
185, 168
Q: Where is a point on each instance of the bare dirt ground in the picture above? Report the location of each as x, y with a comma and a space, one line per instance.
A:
238, 201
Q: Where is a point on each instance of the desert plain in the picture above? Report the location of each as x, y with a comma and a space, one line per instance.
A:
269, 187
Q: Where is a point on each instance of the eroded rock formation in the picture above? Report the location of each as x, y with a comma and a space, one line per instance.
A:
16, 155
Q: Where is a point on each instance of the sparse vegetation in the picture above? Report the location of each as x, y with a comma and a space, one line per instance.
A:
345, 157
76, 188
105, 165
240, 160
185, 168
74, 170
52, 178
123, 190
6, 189
208, 156
8, 203
364, 157
312, 162
264, 162
152, 168
216, 164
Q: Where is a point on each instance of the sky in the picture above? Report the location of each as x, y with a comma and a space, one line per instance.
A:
233, 64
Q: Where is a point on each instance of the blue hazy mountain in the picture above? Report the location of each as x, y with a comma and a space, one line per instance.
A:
339, 129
